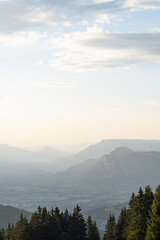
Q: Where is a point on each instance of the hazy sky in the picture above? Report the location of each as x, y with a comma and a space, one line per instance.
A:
75, 71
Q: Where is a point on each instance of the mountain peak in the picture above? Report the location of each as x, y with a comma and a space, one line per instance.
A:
122, 151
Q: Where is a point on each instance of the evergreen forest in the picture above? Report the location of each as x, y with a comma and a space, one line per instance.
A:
140, 221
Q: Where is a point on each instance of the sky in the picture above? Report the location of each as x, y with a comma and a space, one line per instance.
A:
74, 71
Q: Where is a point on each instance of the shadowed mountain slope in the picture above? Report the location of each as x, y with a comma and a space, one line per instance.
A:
121, 170
96, 151
11, 215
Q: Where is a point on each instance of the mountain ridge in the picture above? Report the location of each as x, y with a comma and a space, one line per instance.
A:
10, 214
106, 146
121, 166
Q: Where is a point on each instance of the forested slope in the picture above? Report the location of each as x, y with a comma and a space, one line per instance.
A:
141, 221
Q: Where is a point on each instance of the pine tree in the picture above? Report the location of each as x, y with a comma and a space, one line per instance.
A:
92, 230
110, 229
65, 224
8, 232
53, 226
148, 198
58, 220
137, 225
131, 202
21, 230
129, 215
96, 235
121, 225
41, 227
77, 225
89, 227
66, 218
153, 224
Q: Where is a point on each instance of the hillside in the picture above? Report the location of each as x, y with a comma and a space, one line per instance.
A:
106, 147
13, 160
122, 169
109, 180
11, 215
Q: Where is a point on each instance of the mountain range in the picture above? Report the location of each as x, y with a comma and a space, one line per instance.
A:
121, 170
97, 150
101, 175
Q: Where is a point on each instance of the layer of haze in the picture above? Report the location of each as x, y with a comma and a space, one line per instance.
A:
79, 71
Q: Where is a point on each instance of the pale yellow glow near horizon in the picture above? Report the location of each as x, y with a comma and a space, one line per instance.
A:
76, 129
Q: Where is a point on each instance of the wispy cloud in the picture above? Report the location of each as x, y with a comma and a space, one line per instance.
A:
142, 4
40, 16
24, 23
23, 15
95, 49
20, 39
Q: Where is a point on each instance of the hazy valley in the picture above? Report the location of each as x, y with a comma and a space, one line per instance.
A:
102, 175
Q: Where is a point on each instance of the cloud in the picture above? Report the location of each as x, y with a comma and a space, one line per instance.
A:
24, 23
142, 4
57, 85
95, 49
20, 39
40, 16
102, 1
21, 15
103, 18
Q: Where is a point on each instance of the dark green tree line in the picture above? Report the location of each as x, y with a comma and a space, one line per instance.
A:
141, 221
53, 225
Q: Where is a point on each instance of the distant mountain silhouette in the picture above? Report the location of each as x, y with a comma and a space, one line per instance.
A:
48, 158
124, 169
11, 215
121, 170
13, 159
96, 151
